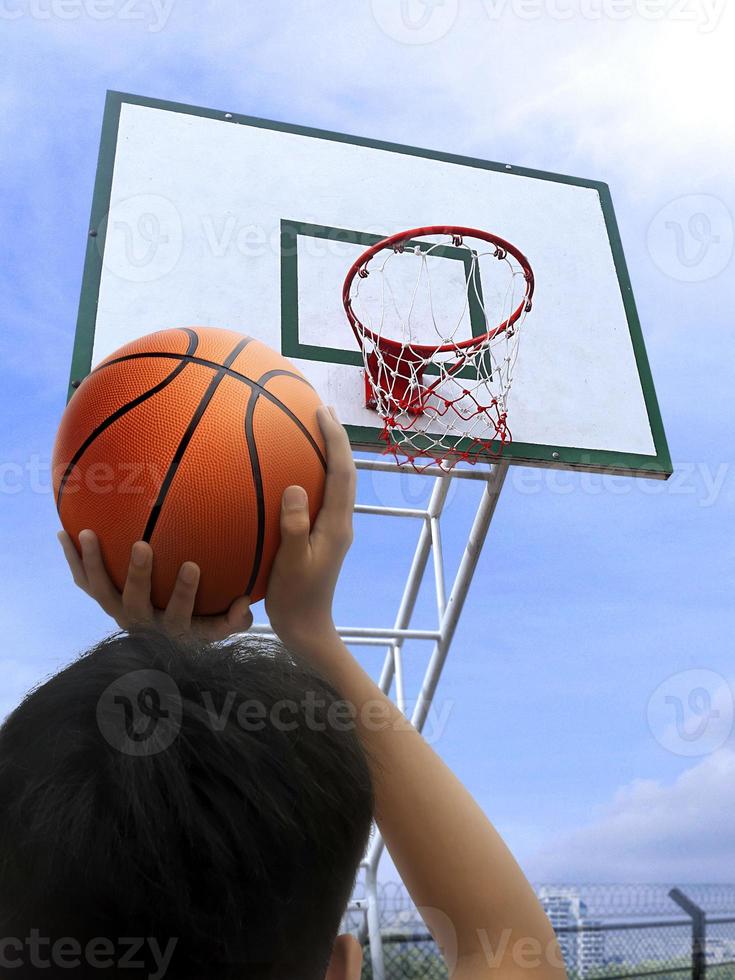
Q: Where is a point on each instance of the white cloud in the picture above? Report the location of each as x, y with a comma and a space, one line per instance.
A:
682, 832
609, 88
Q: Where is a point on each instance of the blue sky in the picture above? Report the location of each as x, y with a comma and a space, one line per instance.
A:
591, 684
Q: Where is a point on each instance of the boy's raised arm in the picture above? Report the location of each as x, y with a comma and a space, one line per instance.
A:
472, 893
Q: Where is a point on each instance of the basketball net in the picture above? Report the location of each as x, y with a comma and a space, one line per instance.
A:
439, 332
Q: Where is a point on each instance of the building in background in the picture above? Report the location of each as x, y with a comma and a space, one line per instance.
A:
719, 950
583, 951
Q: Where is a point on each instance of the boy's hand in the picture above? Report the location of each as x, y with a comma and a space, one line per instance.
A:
133, 606
308, 562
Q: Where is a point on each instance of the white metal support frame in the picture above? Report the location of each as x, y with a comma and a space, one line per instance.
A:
449, 608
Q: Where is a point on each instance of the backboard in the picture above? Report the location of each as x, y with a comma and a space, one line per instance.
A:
202, 217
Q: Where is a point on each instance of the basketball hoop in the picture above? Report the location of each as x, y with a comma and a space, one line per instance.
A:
441, 394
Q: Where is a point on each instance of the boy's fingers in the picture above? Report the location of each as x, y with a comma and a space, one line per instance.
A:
99, 585
136, 597
239, 618
295, 524
339, 489
177, 617
73, 560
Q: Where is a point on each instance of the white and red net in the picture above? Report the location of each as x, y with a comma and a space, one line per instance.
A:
438, 313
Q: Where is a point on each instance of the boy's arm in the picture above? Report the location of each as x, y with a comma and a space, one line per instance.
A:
475, 898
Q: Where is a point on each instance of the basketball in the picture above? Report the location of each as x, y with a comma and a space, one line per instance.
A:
187, 438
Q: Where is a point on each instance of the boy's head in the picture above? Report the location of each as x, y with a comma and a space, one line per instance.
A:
162, 790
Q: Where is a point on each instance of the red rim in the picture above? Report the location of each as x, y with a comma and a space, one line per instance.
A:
426, 350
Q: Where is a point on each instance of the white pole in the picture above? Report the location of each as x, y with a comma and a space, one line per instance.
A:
454, 606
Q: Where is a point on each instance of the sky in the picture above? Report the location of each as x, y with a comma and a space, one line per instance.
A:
589, 694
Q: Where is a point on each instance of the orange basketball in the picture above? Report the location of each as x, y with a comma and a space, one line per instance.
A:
187, 439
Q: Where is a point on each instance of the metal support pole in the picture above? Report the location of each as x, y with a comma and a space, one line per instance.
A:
355, 633
699, 929
390, 511
415, 578
403, 618
373, 924
460, 588
477, 472
454, 606
436, 547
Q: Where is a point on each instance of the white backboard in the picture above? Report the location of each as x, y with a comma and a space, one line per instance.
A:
208, 218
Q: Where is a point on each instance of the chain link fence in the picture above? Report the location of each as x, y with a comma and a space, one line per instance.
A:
408, 957
604, 931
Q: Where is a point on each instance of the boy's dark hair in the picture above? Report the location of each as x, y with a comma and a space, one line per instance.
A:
216, 794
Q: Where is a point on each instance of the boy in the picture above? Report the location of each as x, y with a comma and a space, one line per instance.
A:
242, 844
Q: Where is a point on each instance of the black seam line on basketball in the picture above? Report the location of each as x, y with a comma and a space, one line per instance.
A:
187, 437
123, 410
281, 373
258, 484
230, 372
256, 470
205, 362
